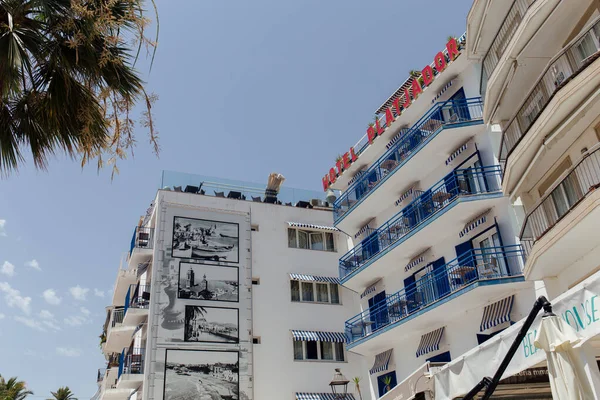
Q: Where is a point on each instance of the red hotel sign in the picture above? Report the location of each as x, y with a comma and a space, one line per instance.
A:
395, 110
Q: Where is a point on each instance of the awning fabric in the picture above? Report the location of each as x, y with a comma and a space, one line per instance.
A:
370, 289
441, 92
314, 278
430, 342
474, 224
362, 230
339, 337
414, 262
322, 396
312, 226
403, 197
382, 361
457, 152
496, 313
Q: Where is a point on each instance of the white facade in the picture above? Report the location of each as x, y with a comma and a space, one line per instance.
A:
203, 335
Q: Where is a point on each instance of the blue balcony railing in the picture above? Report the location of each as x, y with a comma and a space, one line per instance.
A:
461, 182
138, 296
131, 361
143, 238
476, 265
448, 114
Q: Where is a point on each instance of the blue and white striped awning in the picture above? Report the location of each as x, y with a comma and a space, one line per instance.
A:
323, 396
446, 87
314, 278
414, 262
474, 224
496, 313
370, 289
355, 177
382, 361
364, 229
312, 226
404, 196
137, 329
430, 342
397, 137
339, 337
457, 152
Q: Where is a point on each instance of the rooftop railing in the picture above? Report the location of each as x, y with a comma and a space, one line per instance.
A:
138, 296
579, 181
509, 26
448, 114
462, 182
143, 238
484, 264
131, 361
573, 59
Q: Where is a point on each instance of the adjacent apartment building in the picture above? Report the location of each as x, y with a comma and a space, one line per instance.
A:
230, 290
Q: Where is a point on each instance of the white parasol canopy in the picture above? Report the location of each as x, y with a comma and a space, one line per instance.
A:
568, 370
275, 181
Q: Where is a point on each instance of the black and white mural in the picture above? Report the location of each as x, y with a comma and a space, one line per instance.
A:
211, 324
208, 282
201, 374
206, 240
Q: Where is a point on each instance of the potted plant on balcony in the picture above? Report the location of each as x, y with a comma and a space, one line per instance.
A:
387, 381
356, 381
102, 339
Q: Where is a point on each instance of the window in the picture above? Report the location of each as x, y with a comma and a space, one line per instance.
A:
256, 340
320, 292
254, 228
318, 351
256, 281
310, 240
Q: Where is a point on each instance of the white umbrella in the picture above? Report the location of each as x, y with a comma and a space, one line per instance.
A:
568, 370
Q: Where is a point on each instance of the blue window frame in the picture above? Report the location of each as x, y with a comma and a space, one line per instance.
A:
382, 386
444, 357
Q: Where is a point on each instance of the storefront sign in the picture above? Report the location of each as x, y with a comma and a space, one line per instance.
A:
391, 113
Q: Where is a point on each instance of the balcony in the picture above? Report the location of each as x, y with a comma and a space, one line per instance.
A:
560, 97
468, 192
101, 374
125, 278
137, 302
118, 334
475, 273
561, 229
408, 155
131, 368
142, 244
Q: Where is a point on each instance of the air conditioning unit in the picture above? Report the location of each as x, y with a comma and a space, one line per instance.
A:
317, 203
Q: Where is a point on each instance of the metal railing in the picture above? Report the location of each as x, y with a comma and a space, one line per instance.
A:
462, 182
131, 361
443, 115
101, 374
117, 317
138, 296
509, 26
474, 265
582, 179
573, 59
143, 238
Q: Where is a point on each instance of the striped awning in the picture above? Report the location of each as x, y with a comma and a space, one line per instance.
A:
496, 313
323, 396
474, 224
404, 196
142, 267
339, 337
137, 329
370, 289
416, 261
457, 152
312, 226
382, 360
362, 230
355, 177
430, 342
314, 278
441, 92
397, 137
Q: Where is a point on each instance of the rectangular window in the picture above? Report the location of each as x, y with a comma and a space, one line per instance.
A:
326, 351
335, 295
299, 239
307, 292
298, 350
302, 240
292, 238
329, 245
322, 292
316, 241
295, 286
339, 351
311, 350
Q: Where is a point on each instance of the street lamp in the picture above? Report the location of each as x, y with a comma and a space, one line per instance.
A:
339, 384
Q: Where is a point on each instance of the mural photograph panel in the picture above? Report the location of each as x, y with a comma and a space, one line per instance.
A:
206, 240
199, 374
211, 324
208, 282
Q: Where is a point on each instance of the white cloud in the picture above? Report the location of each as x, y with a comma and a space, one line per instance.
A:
51, 298
13, 298
99, 293
30, 322
7, 269
2, 225
68, 351
49, 320
2, 316
79, 293
85, 311
45, 314
52, 325
75, 320
33, 264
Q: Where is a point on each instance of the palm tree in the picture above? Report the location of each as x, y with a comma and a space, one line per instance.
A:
63, 393
68, 80
356, 381
13, 389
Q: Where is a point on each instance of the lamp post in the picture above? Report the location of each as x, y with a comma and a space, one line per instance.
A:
339, 385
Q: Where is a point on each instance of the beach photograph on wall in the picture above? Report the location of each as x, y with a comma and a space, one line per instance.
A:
202, 239
211, 324
208, 282
201, 374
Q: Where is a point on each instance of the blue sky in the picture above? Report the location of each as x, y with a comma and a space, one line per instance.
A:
246, 88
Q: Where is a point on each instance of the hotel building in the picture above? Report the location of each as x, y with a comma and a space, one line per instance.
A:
433, 251
230, 291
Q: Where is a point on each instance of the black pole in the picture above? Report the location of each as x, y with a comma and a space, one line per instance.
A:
491, 383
